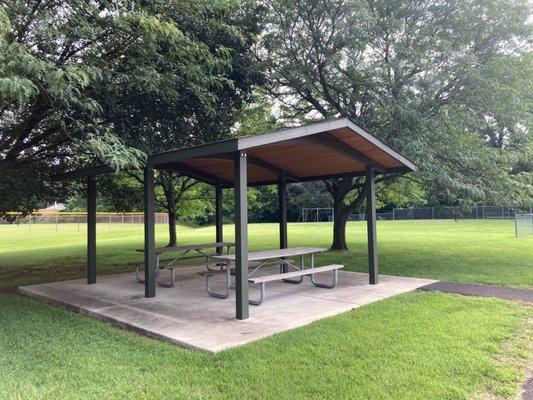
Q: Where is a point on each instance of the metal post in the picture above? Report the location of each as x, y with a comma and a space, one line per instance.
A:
218, 217
91, 229
282, 214
149, 234
370, 185
241, 234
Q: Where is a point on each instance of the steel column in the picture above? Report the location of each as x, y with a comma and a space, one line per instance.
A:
149, 234
241, 234
282, 214
370, 186
91, 229
218, 217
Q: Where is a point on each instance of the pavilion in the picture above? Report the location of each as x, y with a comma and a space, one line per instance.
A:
329, 149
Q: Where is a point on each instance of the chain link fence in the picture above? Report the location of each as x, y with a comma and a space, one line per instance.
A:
448, 212
66, 222
524, 225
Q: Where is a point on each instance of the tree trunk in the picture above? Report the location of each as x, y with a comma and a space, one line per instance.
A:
343, 208
339, 230
172, 237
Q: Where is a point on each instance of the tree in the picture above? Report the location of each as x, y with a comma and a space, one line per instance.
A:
51, 54
188, 96
411, 73
106, 82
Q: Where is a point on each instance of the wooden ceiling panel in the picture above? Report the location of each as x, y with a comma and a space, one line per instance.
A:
306, 160
364, 146
224, 169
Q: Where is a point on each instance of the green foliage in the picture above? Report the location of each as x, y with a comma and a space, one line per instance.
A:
84, 82
257, 117
401, 193
448, 84
196, 63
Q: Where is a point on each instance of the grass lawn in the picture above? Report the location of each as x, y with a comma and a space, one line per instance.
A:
413, 346
481, 251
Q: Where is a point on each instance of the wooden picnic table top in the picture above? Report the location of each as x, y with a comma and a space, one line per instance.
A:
197, 246
278, 253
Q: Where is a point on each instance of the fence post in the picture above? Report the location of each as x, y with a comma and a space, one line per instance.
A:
30, 225
56, 221
432, 212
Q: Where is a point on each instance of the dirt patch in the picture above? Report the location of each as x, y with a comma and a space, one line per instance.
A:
527, 388
501, 292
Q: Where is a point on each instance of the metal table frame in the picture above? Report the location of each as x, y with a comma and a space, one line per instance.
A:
184, 250
266, 258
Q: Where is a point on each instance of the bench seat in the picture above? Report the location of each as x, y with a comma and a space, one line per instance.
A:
263, 280
170, 268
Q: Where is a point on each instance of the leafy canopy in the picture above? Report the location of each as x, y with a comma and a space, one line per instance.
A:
447, 83
86, 82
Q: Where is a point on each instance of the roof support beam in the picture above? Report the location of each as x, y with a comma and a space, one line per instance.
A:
252, 160
339, 146
370, 189
282, 216
91, 229
150, 263
218, 217
195, 173
84, 172
241, 235
270, 167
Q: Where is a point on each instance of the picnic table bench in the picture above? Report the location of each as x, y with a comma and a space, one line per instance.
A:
278, 257
198, 251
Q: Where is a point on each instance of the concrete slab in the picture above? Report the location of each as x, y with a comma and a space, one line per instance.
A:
187, 316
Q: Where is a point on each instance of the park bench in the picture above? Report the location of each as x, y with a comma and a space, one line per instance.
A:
263, 280
222, 268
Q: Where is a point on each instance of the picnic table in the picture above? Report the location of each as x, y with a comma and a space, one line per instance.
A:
198, 250
278, 257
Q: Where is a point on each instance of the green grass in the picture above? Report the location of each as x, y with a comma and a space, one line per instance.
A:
413, 346
460, 251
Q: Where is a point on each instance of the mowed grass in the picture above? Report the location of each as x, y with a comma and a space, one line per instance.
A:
472, 251
414, 346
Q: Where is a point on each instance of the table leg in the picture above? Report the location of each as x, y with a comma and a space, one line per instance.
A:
301, 278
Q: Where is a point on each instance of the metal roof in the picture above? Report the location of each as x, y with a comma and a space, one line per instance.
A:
316, 151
